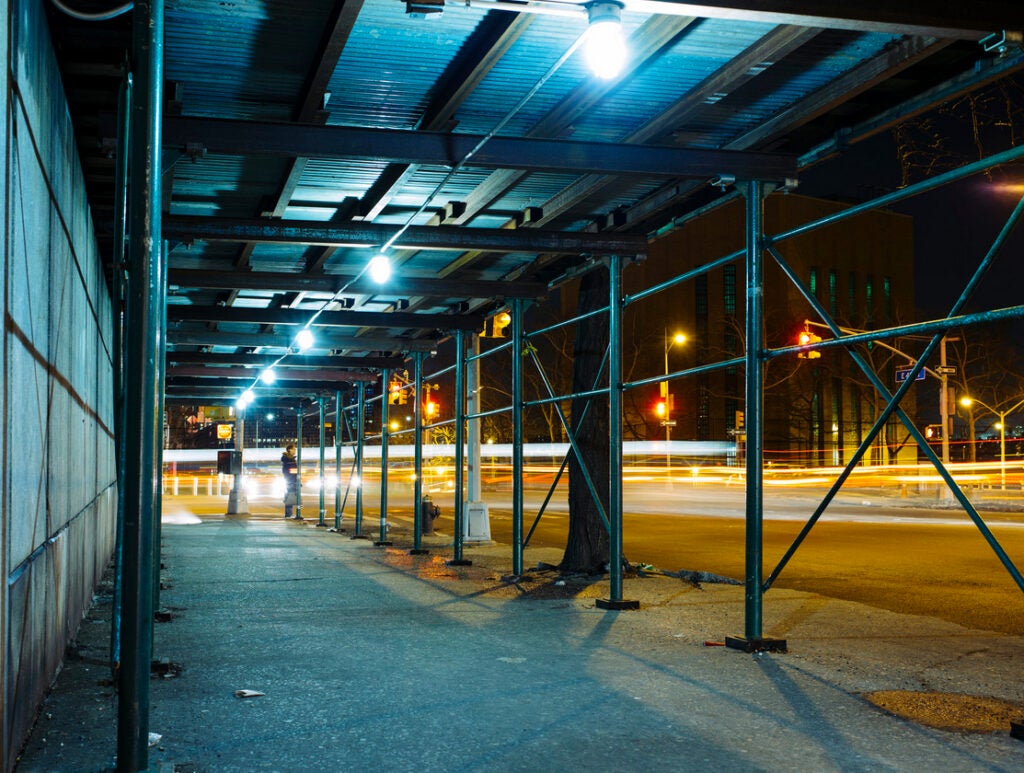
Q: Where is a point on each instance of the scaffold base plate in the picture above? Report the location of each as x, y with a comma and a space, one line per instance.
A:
755, 645
617, 604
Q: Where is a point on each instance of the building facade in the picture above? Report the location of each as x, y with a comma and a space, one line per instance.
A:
818, 409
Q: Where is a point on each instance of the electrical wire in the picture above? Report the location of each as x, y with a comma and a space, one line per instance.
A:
97, 16
486, 138
437, 189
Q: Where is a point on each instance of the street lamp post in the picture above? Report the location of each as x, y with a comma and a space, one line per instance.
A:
269, 417
968, 401
667, 421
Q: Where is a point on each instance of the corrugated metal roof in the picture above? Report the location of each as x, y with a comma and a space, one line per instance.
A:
701, 50
392, 71
391, 63
811, 67
241, 60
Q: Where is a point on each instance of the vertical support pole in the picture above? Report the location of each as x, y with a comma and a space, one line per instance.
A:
238, 502
754, 421
473, 430
1002, 451
360, 436
323, 479
158, 446
141, 383
615, 600
943, 402
298, 461
417, 434
120, 286
752, 640
385, 430
517, 437
337, 459
460, 452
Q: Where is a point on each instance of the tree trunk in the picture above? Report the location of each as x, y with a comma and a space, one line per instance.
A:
587, 547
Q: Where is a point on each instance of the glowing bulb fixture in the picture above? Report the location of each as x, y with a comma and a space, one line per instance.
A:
605, 46
248, 396
379, 269
304, 339
268, 376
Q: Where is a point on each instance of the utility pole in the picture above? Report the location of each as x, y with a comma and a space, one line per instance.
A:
944, 402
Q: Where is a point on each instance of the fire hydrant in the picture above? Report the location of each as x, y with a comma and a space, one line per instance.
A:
428, 512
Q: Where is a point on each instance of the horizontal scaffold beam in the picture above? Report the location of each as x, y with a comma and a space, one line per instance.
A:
234, 137
285, 374
961, 21
397, 286
380, 319
207, 390
184, 228
266, 360
227, 385
322, 341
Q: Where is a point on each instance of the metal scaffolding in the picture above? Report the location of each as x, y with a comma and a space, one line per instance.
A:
609, 382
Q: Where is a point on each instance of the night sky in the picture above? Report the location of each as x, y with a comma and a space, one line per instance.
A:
954, 226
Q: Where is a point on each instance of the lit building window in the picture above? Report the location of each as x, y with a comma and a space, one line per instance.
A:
730, 289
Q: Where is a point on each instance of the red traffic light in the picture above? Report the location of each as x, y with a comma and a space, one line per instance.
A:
659, 408
804, 339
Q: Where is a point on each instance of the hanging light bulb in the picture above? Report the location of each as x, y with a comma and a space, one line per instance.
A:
268, 376
304, 339
380, 268
605, 46
248, 396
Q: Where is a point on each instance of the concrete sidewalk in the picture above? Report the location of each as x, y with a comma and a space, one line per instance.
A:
372, 659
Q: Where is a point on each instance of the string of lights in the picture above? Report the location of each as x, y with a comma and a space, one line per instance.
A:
605, 52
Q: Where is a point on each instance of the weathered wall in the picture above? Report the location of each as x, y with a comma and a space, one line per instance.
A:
59, 495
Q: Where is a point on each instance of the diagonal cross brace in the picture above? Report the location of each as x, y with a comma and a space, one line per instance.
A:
574, 447
893, 406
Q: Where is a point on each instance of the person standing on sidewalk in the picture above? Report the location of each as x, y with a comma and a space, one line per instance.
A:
290, 473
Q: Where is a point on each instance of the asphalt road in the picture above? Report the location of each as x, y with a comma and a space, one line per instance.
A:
917, 560
926, 559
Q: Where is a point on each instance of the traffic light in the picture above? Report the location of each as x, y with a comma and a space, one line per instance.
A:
497, 325
659, 409
806, 338
430, 408
933, 432
396, 393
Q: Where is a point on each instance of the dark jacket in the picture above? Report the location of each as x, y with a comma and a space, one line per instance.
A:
290, 470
